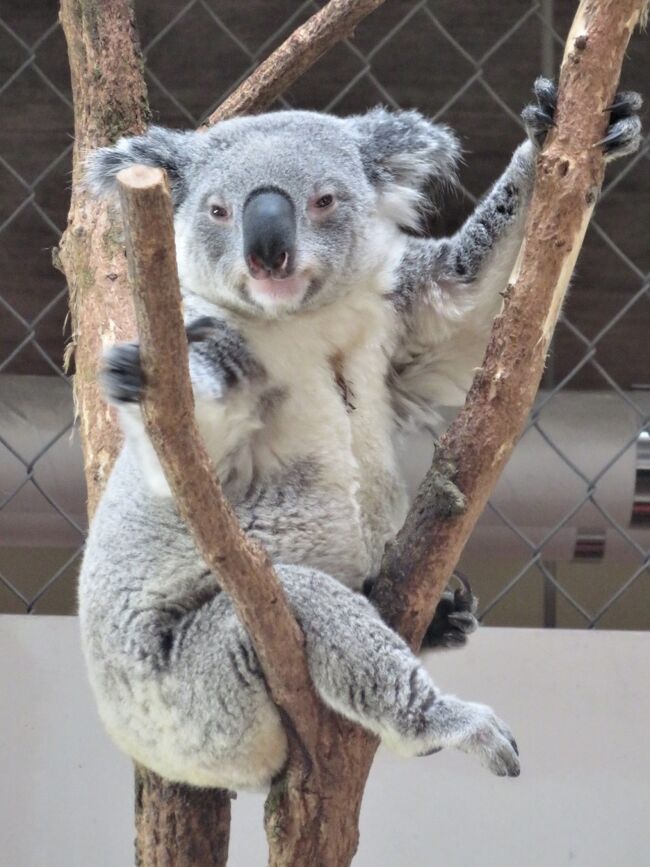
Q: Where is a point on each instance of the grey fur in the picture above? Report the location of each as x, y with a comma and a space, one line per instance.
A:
301, 388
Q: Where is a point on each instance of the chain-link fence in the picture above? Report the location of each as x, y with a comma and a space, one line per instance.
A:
564, 541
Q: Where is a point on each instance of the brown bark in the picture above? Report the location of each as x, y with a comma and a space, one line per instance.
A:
241, 565
180, 826
417, 566
334, 22
110, 100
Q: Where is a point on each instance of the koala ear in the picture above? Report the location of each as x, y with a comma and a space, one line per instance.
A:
165, 148
408, 159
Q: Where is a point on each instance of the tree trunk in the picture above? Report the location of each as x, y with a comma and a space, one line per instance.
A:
179, 826
110, 100
312, 810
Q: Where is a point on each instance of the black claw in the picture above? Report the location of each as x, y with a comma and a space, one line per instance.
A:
626, 103
201, 328
121, 375
430, 752
620, 135
454, 617
610, 141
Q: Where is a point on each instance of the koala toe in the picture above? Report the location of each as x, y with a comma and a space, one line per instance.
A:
623, 137
203, 328
538, 117
626, 103
121, 375
454, 618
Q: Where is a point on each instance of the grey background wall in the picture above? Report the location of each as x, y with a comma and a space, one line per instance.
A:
579, 703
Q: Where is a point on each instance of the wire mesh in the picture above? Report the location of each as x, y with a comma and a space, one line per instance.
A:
468, 62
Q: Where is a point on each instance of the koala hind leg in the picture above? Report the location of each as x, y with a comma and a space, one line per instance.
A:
365, 672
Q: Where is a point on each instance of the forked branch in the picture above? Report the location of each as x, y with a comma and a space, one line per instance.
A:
242, 567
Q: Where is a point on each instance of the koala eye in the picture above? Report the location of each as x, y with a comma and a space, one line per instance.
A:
324, 201
218, 212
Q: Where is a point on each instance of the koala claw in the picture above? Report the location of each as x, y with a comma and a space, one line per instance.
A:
623, 133
202, 328
454, 618
538, 119
623, 137
121, 374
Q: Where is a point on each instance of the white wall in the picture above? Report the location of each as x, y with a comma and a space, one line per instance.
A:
579, 703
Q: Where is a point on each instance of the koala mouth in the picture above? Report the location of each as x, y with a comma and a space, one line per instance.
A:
279, 290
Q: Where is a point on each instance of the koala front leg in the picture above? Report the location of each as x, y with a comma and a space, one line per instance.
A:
225, 380
478, 259
448, 291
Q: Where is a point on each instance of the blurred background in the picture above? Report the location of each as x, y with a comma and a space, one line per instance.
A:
565, 541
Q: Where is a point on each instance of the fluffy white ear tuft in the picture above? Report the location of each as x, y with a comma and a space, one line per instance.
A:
167, 149
408, 159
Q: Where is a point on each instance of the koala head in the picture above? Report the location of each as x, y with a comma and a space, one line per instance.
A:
282, 212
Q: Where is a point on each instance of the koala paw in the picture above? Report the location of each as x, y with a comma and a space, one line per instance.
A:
121, 374
454, 618
623, 133
203, 328
223, 353
538, 118
624, 130
490, 739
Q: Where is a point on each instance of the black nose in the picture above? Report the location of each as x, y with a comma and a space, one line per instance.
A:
269, 228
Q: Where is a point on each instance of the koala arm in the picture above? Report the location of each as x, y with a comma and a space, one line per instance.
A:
448, 292
227, 382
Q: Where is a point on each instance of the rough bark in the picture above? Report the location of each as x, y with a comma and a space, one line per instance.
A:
180, 826
320, 826
110, 100
336, 21
417, 566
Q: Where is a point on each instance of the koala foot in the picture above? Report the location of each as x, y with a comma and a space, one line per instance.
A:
490, 739
471, 728
623, 133
121, 375
454, 618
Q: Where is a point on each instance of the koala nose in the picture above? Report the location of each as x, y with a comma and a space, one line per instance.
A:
269, 228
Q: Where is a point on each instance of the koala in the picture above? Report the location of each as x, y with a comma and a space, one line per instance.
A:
321, 324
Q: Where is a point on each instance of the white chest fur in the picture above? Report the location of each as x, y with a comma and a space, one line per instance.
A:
331, 366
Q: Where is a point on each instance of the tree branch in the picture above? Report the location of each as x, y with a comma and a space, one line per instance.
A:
480, 441
306, 45
241, 565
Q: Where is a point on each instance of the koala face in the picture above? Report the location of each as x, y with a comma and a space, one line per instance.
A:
276, 214
283, 212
